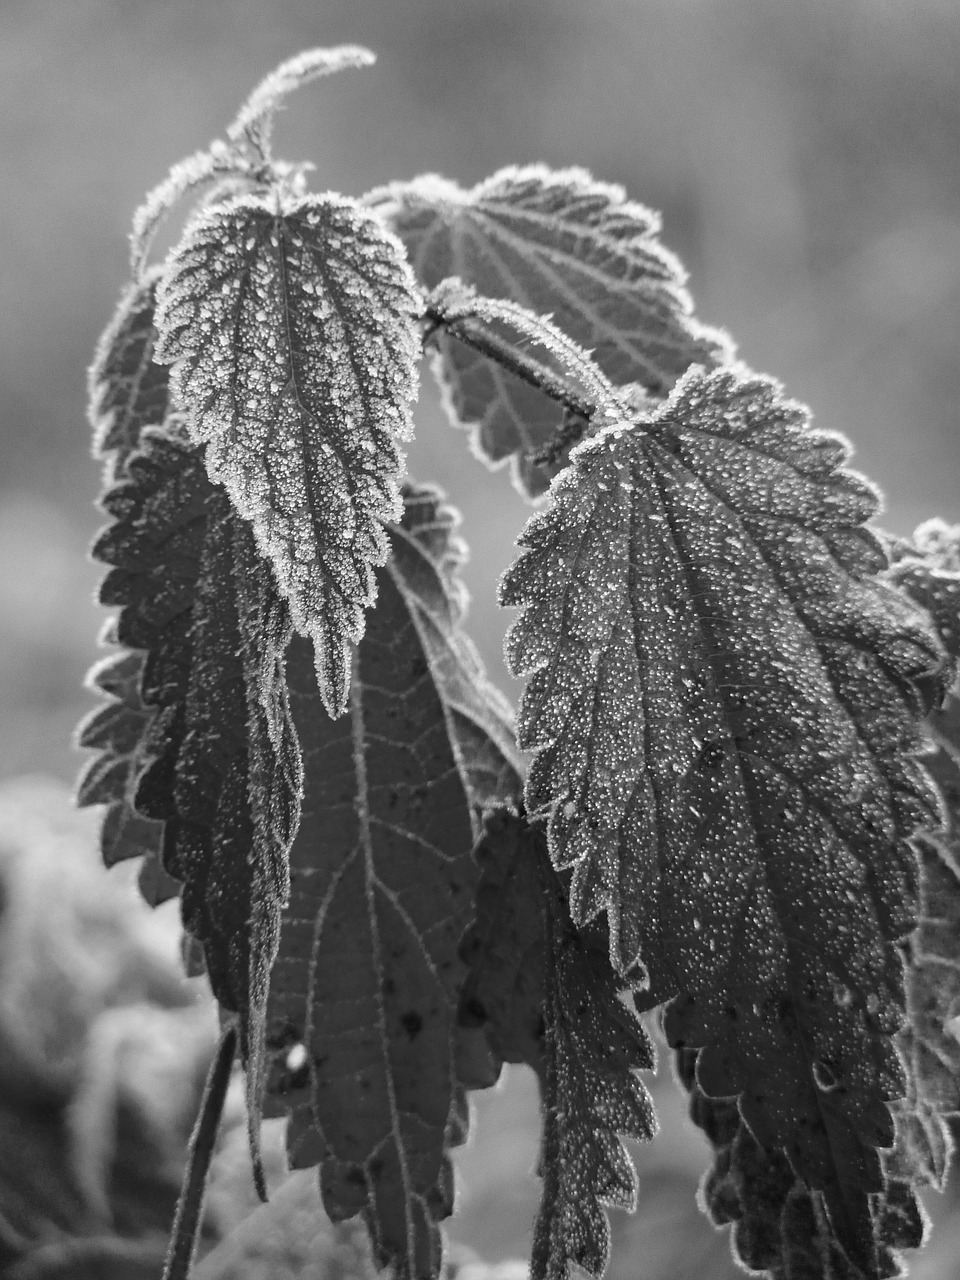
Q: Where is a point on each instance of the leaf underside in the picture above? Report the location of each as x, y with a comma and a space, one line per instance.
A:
289, 328
560, 244
366, 980
724, 700
218, 764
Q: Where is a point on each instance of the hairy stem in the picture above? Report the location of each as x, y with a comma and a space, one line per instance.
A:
186, 1222
478, 336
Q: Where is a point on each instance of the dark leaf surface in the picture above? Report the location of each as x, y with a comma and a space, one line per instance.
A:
218, 765
504, 947
289, 326
362, 1015
561, 244
725, 700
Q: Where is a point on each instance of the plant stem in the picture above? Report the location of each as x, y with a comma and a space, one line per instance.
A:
528, 368
186, 1222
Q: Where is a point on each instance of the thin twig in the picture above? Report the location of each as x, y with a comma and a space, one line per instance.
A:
186, 1222
526, 367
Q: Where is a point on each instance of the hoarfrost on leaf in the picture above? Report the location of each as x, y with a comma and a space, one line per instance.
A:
289, 327
558, 243
367, 975
725, 701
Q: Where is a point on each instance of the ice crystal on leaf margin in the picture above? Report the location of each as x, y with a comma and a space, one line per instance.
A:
289, 326
725, 700
367, 976
558, 243
218, 763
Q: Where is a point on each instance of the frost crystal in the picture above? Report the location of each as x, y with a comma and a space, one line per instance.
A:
724, 700
290, 331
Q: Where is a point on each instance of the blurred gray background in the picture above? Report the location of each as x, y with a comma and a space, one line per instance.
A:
805, 155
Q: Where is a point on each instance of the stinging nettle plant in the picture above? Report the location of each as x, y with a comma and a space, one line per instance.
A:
733, 789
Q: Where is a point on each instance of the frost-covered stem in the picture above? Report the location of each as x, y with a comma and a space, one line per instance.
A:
526, 367
186, 1222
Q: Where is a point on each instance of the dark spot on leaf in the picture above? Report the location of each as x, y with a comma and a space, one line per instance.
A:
412, 1023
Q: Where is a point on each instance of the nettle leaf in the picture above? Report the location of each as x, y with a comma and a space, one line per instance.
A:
547, 996
219, 764
289, 326
362, 1017
558, 243
724, 700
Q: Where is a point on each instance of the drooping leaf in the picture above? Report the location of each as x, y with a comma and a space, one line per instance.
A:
561, 244
591, 1096
363, 1003
219, 764
289, 325
255, 118
725, 702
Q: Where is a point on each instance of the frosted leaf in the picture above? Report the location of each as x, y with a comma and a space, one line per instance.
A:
367, 975
562, 244
218, 161
724, 701
218, 764
127, 389
291, 339
255, 118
